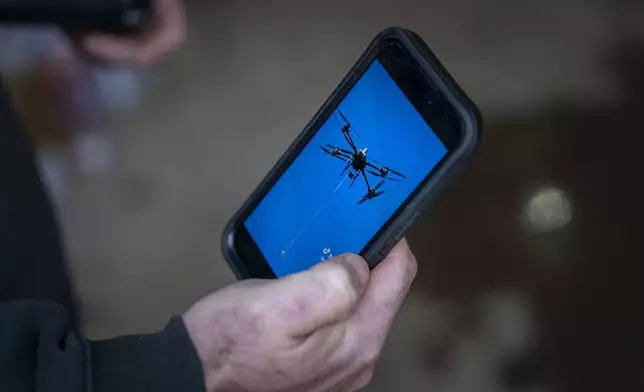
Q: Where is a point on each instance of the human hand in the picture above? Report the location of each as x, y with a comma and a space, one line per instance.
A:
319, 330
165, 34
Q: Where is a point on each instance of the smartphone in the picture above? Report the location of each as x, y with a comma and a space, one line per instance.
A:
113, 15
363, 170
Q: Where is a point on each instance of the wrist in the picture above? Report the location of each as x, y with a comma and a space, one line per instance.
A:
212, 342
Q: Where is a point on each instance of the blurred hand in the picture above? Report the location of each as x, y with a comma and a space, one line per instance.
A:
166, 34
319, 330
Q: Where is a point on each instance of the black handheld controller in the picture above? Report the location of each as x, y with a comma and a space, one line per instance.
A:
111, 15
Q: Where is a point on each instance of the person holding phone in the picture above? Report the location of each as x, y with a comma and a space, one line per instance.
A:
321, 329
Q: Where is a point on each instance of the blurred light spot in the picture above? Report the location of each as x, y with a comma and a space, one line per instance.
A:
549, 209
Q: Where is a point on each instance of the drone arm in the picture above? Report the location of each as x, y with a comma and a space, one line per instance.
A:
365, 179
340, 154
343, 155
371, 165
350, 141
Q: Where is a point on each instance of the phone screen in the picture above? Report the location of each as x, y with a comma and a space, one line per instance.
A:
363, 163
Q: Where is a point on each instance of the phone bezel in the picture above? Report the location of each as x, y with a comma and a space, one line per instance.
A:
404, 54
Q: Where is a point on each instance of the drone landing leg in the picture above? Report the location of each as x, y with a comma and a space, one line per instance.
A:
366, 180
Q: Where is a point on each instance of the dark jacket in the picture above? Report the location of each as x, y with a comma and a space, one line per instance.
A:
38, 354
38, 349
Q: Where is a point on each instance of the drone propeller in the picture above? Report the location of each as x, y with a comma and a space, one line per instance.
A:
358, 135
370, 197
343, 118
397, 173
381, 183
334, 148
340, 157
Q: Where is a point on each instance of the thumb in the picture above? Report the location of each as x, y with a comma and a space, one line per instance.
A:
323, 295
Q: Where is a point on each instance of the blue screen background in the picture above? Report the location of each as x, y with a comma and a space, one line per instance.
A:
311, 214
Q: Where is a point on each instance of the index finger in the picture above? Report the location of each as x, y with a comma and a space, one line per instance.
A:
388, 287
169, 34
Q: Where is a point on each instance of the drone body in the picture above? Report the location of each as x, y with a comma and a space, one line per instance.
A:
358, 164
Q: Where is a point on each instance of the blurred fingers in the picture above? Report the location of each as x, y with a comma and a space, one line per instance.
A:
110, 48
167, 33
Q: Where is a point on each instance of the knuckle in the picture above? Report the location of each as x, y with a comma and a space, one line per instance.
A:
341, 281
340, 291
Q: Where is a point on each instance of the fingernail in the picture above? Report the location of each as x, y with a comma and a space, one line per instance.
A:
356, 266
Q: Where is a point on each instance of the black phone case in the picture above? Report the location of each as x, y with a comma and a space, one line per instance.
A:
472, 123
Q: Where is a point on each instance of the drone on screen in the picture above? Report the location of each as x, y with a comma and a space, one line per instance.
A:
359, 165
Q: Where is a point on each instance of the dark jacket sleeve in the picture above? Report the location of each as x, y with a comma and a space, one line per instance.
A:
37, 354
